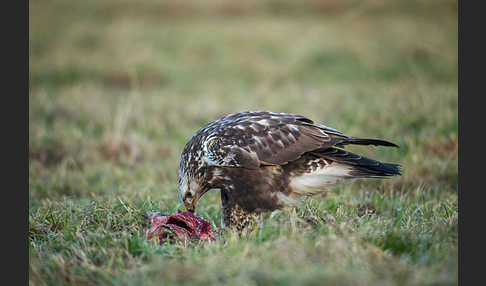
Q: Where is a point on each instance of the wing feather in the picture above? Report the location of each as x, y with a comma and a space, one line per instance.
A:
268, 139
252, 139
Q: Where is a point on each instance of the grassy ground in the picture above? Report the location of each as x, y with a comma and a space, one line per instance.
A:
117, 88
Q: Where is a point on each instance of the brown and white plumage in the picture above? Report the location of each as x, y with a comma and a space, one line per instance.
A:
263, 161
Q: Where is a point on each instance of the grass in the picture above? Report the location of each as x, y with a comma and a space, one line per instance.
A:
118, 87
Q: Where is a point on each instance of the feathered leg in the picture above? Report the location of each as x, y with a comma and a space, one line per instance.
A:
234, 217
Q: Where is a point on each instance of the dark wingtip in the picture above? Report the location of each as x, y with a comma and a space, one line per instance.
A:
393, 145
368, 141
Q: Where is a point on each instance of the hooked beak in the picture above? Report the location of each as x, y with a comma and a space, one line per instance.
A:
191, 206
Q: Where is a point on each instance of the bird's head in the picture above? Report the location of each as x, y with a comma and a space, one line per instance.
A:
191, 187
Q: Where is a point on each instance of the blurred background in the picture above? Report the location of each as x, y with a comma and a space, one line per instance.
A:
118, 87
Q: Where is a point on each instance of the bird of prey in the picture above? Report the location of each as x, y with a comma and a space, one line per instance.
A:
264, 161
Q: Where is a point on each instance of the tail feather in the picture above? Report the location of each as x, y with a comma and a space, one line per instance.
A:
360, 166
377, 171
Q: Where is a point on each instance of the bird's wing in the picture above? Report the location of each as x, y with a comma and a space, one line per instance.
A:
271, 140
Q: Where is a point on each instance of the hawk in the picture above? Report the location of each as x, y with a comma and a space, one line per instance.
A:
263, 161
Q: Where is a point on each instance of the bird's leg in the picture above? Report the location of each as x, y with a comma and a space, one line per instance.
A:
225, 209
235, 217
